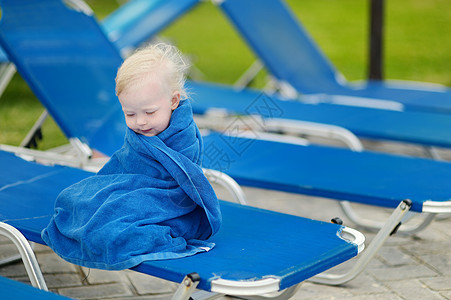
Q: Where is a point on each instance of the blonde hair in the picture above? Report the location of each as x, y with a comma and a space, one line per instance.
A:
161, 61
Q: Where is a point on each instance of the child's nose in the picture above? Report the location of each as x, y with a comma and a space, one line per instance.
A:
141, 120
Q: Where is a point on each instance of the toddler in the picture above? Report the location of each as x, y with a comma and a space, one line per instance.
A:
151, 200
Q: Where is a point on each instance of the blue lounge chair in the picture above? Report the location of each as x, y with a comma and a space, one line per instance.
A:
127, 27
99, 56
420, 128
257, 251
292, 57
102, 126
13, 290
137, 20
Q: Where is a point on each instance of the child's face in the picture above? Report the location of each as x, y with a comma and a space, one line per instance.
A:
148, 107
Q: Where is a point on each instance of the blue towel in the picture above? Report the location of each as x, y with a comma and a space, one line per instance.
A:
151, 201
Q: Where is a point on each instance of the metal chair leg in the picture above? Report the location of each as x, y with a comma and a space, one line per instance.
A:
26, 253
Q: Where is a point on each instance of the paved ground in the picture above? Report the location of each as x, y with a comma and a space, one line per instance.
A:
413, 267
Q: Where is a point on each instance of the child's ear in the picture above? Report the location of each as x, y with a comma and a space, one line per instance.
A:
175, 100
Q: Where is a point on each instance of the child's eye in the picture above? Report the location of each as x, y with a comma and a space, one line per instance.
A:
149, 112
129, 114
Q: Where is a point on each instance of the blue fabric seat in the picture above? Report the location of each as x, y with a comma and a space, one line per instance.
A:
251, 246
290, 54
365, 177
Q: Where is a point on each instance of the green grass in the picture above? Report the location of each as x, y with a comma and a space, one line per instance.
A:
417, 47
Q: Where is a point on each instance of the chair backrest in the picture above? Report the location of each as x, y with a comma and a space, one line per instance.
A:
280, 41
69, 64
137, 20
